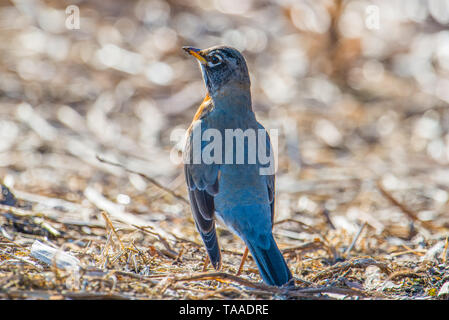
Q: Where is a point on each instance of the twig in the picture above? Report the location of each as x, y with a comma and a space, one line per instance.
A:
356, 237
329, 289
325, 243
117, 212
161, 238
206, 263
410, 213
325, 213
309, 246
395, 254
19, 212
226, 276
109, 223
404, 274
38, 267
152, 180
354, 263
15, 244
163, 285
51, 203
181, 252
304, 227
292, 292
140, 253
95, 296
134, 276
171, 254
195, 244
104, 252
168, 251
444, 253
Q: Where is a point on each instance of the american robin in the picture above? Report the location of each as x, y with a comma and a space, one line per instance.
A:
236, 193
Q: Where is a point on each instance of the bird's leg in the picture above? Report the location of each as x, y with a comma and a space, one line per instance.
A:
206, 263
245, 254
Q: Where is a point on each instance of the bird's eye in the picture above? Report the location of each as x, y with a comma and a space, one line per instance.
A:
214, 60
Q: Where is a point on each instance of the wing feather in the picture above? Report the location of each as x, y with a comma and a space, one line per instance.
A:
202, 181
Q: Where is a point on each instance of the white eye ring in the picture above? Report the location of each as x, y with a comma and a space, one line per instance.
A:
215, 63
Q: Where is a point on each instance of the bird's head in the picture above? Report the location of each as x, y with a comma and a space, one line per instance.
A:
223, 68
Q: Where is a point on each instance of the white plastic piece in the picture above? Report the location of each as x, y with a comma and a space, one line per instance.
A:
52, 256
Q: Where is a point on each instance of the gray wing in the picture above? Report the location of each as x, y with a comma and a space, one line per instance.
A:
202, 182
271, 194
271, 177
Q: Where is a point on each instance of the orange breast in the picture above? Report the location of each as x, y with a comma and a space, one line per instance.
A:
200, 110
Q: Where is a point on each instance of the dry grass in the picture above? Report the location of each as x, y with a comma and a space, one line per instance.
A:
165, 260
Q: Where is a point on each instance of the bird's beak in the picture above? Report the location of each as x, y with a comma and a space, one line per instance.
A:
196, 53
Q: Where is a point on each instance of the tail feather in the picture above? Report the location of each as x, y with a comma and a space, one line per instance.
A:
272, 266
212, 247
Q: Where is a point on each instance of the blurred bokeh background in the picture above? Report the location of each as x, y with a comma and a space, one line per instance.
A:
358, 89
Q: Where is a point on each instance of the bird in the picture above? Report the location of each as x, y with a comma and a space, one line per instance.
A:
235, 193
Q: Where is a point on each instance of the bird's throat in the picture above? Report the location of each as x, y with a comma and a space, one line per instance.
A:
232, 97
